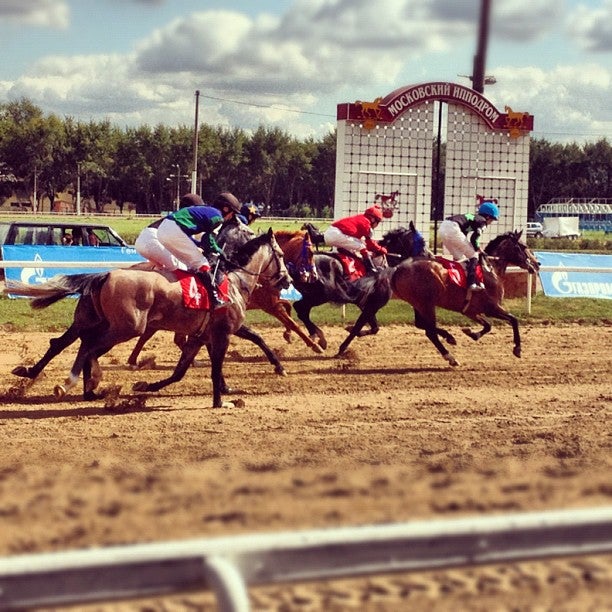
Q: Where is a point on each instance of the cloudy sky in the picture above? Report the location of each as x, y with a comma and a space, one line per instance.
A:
288, 63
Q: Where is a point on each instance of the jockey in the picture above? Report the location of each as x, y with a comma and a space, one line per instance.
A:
173, 244
354, 234
248, 213
454, 231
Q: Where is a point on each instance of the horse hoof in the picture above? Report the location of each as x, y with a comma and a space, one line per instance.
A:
451, 360
280, 371
22, 371
59, 392
287, 337
517, 351
468, 332
317, 349
140, 386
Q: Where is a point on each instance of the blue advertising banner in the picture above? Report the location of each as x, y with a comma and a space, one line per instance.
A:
70, 254
575, 275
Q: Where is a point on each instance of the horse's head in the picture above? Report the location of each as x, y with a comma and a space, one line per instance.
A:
298, 252
264, 253
510, 248
232, 235
402, 243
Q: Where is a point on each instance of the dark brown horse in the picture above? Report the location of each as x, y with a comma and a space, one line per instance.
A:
129, 303
426, 285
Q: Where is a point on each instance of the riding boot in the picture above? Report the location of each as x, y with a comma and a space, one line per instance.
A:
369, 264
472, 284
211, 288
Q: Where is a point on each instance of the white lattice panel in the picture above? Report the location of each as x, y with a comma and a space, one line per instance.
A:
485, 162
384, 159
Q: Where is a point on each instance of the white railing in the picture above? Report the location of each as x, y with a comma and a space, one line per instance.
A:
229, 565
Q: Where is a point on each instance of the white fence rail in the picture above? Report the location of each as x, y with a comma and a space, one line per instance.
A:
228, 565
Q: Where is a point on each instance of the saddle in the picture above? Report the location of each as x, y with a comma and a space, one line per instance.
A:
456, 271
195, 295
353, 267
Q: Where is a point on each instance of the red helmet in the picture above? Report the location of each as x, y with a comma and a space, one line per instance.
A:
374, 212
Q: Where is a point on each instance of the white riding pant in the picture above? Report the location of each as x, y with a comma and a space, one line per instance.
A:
180, 245
148, 245
335, 238
454, 241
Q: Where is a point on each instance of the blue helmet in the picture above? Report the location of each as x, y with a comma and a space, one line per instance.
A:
249, 212
489, 209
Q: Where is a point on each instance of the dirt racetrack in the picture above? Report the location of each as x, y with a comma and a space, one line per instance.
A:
389, 433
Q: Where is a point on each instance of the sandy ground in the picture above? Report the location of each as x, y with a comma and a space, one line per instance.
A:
389, 433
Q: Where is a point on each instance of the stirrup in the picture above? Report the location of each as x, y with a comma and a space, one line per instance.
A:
476, 287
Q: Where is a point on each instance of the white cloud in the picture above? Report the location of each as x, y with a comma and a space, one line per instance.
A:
260, 70
592, 27
568, 103
40, 13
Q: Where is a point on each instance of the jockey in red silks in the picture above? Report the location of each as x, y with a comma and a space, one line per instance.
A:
354, 234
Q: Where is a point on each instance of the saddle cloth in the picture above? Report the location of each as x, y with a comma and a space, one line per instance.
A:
353, 267
456, 271
195, 295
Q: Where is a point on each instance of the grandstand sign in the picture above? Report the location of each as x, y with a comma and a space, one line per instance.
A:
387, 109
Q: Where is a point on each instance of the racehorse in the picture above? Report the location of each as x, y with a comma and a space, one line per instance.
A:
129, 303
369, 293
297, 253
426, 284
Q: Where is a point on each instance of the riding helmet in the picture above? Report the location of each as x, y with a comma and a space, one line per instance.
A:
228, 199
249, 212
489, 209
375, 212
190, 199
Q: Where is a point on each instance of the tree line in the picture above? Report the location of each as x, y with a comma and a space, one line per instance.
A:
144, 167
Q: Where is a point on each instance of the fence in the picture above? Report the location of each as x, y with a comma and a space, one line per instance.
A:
228, 565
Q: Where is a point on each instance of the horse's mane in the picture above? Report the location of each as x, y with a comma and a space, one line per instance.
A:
282, 235
244, 253
494, 244
418, 240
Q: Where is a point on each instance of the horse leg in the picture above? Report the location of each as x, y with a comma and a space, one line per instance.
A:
354, 331
303, 312
179, 340
190, 349
85, 317
427, 322
56, 346
140, 343
283, 313
94, 344
219, 342
499, 313
486, 328
246, 333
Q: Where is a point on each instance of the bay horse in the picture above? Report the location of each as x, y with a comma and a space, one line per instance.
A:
297, 253
369, 293
131, 302
426, 285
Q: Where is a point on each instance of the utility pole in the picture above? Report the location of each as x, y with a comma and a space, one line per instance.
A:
194, 173
478, 72
78, 194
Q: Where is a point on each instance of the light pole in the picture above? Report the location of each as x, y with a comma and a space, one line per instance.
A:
78, 194
178, 176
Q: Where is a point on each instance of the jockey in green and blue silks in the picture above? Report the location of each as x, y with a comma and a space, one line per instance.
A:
175, 232
454, 232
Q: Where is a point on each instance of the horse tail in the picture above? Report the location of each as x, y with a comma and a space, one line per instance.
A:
58, 287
